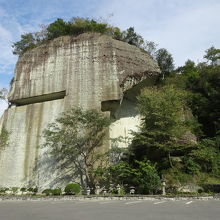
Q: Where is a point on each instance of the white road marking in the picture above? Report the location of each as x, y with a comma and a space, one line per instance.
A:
159, 202
106, 202
57, 202
128, 203
86, 201
189, 202
81, 202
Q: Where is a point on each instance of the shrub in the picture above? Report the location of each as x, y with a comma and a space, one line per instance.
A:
47, 192
72, 189
122, 191
142, 175
146, 177
56, 192
3, 190
23, 189
30, 189
191, 166
35, 190
214, 188
14, 190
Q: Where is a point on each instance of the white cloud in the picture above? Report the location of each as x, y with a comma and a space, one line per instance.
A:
3, 106
190, 33
8, 32
3, 103
186, 28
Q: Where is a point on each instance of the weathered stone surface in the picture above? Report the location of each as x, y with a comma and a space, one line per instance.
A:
88, 71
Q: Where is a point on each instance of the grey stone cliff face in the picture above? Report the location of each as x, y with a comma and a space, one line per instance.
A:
88, 71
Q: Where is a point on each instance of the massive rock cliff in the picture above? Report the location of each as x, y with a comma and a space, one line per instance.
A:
88, 71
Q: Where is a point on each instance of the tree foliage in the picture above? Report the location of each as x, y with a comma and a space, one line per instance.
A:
27, 42
131, 37
74, 141
72, 189
205, 102
3, 93
207, 155
59, 27
75, 27
165, 61
163, 125
141, 174
150, 47
212, 55
202, 82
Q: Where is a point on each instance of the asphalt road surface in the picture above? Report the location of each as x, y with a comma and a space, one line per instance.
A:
110, 210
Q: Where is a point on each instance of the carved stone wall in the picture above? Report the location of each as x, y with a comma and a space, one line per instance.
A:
88, 71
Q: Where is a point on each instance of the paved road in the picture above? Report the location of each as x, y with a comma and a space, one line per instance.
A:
110, 210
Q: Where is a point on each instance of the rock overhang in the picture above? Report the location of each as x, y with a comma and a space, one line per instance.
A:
103, 62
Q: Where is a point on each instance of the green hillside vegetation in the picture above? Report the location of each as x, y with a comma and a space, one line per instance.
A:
185, 149
179, 138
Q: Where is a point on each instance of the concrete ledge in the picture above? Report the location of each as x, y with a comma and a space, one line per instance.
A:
136, 197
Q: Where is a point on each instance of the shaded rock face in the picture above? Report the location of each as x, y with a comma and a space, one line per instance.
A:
91, 71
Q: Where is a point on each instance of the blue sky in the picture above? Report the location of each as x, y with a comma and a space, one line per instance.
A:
185, 27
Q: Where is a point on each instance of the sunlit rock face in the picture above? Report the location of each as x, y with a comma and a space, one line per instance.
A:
91, 71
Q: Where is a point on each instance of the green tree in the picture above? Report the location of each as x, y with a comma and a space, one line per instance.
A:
131, 37
27, 42
74, 141
140, 174
202, 82
83, 25
163, 127
77, 26
3, 94
165, 61
212, 55
147, 179
207, 155
204, 85
150, 47
57, 28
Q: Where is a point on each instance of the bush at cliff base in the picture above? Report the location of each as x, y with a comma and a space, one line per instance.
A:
72, 189
56, 192
47, 192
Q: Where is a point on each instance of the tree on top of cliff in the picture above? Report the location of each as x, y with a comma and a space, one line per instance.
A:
3, 94
74, 141
165, 61
75, 27
131, 37
212, 55
58, 28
